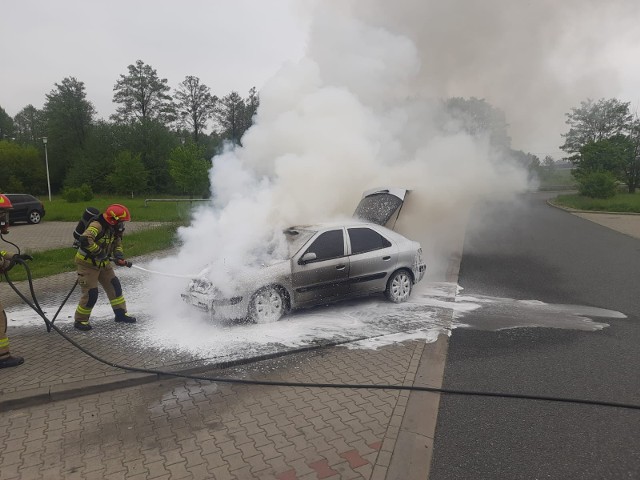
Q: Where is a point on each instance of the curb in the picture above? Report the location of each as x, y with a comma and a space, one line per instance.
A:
575, 210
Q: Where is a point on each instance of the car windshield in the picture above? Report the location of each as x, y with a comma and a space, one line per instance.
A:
297, 237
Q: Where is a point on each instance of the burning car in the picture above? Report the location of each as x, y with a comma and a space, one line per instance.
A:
325, 263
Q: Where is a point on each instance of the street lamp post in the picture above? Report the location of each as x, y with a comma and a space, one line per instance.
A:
46, 162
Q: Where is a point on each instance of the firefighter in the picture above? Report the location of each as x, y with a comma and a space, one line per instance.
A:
101, 241
7, 260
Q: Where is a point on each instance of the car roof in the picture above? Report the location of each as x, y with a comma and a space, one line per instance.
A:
324, 225
350, 223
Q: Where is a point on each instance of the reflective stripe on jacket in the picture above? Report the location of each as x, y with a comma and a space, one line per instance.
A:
99, 240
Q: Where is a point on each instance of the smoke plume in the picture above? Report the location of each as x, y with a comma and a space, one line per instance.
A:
362, 109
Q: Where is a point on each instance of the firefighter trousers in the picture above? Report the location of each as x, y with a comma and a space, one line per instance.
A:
4, 340
89, 276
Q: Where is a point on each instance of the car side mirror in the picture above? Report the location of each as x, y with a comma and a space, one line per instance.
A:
308, 257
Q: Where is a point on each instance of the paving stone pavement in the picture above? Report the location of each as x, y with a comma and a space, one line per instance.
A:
65, 415
201, 430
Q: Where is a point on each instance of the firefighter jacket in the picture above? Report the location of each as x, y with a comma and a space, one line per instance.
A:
99, 243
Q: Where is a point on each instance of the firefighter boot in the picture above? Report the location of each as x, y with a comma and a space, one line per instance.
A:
84, 326
122, 317
10, 361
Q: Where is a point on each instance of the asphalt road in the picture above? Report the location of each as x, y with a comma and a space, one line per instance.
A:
535, 252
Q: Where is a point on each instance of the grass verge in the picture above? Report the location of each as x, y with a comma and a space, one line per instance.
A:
59, 260
167, 210
622, 202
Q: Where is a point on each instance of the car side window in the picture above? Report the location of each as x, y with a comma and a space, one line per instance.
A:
328, 245
366, 240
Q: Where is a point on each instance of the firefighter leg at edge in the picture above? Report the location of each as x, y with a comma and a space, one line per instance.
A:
6, 359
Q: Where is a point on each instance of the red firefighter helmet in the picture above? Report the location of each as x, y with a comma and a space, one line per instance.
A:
116, 213
4, 201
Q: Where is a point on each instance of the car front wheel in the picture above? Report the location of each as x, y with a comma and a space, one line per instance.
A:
399, 286
267, 305
34, 217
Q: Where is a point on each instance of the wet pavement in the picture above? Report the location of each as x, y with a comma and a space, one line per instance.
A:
67, 415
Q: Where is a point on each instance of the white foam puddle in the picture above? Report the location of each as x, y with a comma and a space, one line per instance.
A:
434, 309
501, 313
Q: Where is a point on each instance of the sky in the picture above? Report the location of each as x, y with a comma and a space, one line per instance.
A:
229, 44
534, 60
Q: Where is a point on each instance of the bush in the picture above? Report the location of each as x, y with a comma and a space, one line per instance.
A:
597, 185
79, 194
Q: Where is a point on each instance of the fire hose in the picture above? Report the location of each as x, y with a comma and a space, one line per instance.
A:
163, 273
50, 326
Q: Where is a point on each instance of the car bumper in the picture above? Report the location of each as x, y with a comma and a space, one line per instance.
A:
228, 308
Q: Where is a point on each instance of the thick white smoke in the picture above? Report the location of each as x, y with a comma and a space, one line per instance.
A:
355, 113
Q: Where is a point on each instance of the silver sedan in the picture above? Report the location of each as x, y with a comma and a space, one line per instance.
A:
326, 263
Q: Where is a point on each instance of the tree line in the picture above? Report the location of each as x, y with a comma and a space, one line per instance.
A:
603, 143
156, 140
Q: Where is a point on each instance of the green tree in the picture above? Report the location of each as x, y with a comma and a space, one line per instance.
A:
595, 121
142, 96
21, 167
616, 155
195, 105
129, 175
477, 117
251, 103
29, 125
606, 155
229, 113
190, 169
6, 125
632, 168
69, 117
528, 161
96, 160
153, 142
234, 115
68, 112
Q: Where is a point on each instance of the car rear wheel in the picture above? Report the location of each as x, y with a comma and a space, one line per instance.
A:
399, 286
267, 305
34, 217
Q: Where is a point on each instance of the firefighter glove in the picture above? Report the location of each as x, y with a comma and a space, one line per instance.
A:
23, 256
121, 262
101, 256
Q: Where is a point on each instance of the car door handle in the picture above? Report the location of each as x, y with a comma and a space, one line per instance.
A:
388, 257
340, 267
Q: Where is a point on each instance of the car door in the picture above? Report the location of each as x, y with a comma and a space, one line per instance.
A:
325, 277
18, 211
372, 258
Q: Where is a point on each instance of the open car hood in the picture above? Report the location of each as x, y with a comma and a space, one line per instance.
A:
381, 206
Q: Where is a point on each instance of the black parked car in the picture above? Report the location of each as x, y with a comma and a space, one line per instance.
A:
25, 208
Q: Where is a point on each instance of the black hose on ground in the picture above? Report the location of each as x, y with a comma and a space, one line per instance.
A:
35, 306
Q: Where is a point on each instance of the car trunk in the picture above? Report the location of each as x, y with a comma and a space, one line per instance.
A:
381, 206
